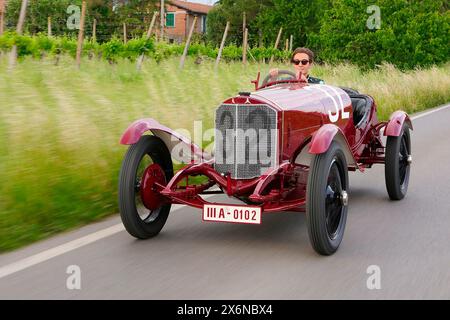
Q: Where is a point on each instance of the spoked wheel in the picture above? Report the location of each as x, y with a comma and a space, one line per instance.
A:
142, 209
397, 164
327, 200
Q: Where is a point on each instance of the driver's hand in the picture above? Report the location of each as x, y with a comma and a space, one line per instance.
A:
273, 73
303, 78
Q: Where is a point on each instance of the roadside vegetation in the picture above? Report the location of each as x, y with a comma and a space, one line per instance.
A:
60, 126
40, 46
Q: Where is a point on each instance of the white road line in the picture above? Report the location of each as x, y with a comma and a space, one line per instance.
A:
430, 112
66, 247
59, 250
98, 235
422, 115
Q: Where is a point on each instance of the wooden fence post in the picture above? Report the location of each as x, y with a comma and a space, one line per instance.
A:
260, 38
23, 12
20, 23
244, 38
81, 33
261, 44
276, 43
125, 38
244, 24
250, 54
244, 47
94, 30
162, 20
49, 26
147, 36
222, 44
186, 47
152, 23
286, 48
2, 16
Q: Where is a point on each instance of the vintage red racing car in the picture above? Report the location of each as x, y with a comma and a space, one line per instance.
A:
287, 146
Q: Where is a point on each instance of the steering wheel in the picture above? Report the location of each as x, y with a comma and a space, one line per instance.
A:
280, 72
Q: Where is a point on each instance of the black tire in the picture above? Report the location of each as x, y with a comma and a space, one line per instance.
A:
397, 166
326, 200
147, 147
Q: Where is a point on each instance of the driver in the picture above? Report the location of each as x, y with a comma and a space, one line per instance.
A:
302, 60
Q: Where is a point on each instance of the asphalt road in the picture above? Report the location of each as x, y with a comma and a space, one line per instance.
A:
409, 240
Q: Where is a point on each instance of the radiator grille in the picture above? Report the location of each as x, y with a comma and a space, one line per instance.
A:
246, 140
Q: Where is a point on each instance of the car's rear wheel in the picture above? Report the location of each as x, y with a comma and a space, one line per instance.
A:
142, 209
398, 164
327, 199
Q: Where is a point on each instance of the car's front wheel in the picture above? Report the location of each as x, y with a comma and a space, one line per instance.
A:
327, 200
147, 163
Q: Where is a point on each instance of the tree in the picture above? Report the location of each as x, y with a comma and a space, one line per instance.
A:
232, 10
412, 33
297, 17
136, 14
264, 19
37, 13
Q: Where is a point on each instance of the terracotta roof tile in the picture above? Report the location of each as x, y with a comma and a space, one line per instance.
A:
191, 6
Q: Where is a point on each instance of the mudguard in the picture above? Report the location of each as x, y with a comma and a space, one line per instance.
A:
181, 148
395, 124
322, 138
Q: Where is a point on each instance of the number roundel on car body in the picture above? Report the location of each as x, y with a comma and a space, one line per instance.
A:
334, 95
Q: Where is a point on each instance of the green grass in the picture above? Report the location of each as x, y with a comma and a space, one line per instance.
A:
60, 126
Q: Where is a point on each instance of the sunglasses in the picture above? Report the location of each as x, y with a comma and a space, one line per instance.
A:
303, 62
